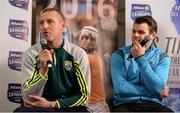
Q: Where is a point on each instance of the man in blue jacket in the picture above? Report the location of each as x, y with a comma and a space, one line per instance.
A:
139, 81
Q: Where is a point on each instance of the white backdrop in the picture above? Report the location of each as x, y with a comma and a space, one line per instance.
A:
0, 37
168, 37
15, 30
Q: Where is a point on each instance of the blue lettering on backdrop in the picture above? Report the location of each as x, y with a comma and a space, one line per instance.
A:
138, 10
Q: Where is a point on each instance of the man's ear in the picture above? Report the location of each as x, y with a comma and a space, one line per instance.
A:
63, 24
154, 34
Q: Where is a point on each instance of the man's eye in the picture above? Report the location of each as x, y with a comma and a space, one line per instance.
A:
133, 31
141, 32
50, 21
41, 22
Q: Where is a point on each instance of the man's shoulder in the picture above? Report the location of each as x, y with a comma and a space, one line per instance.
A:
123, 50
31, 53
72, 45
73, 49
161, 53
157, 50
36, 48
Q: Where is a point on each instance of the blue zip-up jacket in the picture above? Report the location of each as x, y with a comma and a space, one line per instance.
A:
142, 78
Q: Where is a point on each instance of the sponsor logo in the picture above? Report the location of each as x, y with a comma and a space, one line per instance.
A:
20, 3
18, 29
68, 65
14, 93
14, 60
175, 16
173, 100
138, 10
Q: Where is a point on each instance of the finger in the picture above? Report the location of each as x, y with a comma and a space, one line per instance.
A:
49, 53
138, 44
52, 50
36, 98
44, 53
30, 103
135, 42
136, 47
26, 102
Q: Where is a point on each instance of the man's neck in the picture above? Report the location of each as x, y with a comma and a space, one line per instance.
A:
55, 44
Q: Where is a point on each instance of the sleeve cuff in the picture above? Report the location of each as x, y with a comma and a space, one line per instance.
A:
58, 104
43, 77
141, 60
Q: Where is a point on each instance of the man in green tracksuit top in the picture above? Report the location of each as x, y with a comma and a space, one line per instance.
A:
62, 87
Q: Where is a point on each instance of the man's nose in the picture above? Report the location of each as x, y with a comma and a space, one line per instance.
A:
135, 35
45, 25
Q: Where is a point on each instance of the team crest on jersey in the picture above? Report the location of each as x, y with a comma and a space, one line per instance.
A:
68, 65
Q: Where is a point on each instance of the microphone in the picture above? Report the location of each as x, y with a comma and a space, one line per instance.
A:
43, 42
142, 43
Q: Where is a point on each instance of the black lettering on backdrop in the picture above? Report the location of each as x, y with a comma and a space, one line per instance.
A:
173, 45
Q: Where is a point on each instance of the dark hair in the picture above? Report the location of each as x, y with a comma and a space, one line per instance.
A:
54, 9
149, 21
